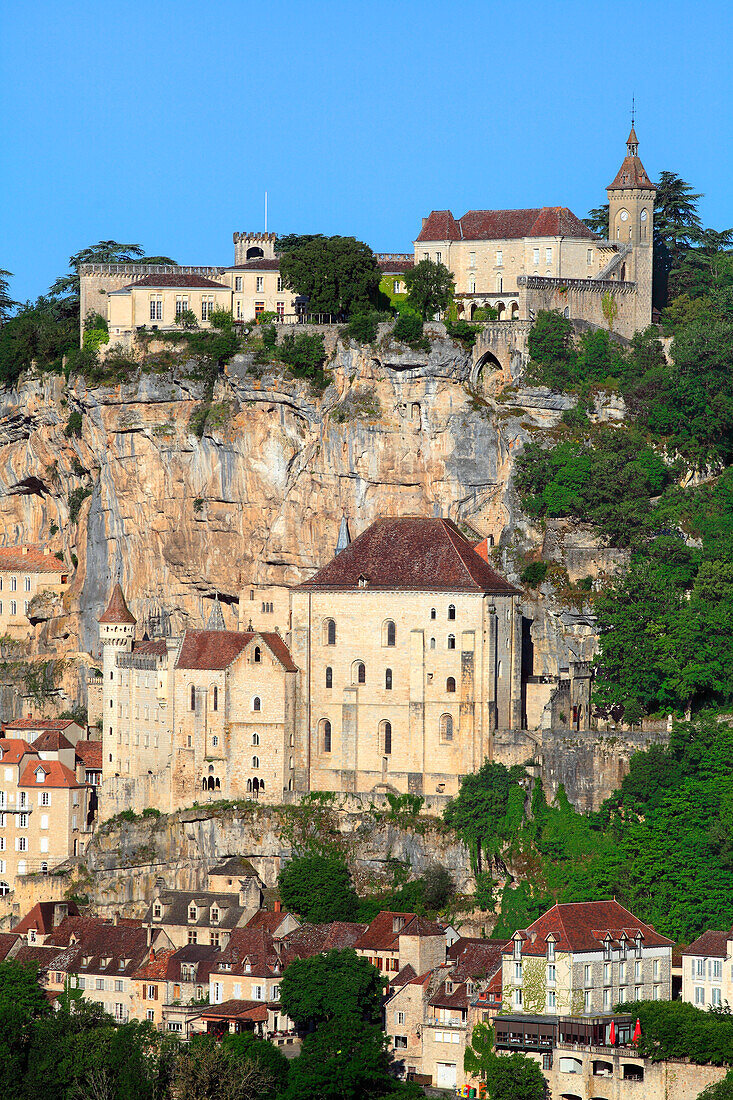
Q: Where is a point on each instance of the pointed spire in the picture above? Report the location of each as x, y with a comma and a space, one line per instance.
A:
344, 537
216, 618
117, 609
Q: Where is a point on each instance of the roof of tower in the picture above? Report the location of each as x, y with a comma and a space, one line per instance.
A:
216, 617
503, 225
413, 553
632, 139
117, 609
632, 173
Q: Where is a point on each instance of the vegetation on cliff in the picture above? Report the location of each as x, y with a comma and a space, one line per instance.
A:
662, 845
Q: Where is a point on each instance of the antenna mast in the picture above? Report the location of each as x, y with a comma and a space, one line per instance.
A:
265, 212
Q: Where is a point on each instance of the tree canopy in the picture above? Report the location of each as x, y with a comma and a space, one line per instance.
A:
430, 288
331, 986
318, 888
338, 275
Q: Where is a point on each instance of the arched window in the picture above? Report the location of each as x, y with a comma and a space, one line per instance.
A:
450, 684
451, 611
255, 761
326, 735
215, 741
255, 738
498, 670
217, 784
329, 677
329, 632
262, 784
193, 697
203, 784
256, 703
388, 679
257, 655
446, 727
358, 673
215, 702
433, 613
389, 633
249, 786
210, 783
385, 737
44, 868
451, 641
432, 643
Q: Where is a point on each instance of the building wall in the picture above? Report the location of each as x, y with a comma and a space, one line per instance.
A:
255, 292
672, 1080
707, 981
17, 589
132, 309
485, 665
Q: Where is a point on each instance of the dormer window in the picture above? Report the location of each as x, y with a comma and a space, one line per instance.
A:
624, 946
192, 912
607, 949
518, 948
247, 967
32, 936
638, 945
40, 775
214, 916
449, 987
550, 950
398, 924
363, 580
122, 964
86, 960
157, 910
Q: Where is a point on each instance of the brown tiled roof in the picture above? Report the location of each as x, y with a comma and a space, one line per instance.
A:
39, 953
632, 173
51, 741
204, 956
57, 775
117, 609
710, 943
395, 267
502, 225
13, 748
457, 998
156, 647
312, 939
475, 958
41, 917
8, 940
234, 867
89, 753
249, 1010
266, 921
262, 264
32, 561
156, 968
410, 552
212, 649
583, 926
405, 975
99, 940
39, 724
173, 280
381, 936
254, 947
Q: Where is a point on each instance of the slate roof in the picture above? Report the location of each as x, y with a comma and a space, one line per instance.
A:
710, 943
13, 748
475, 958
502, 225
216, 649
57, 775
41, 917
175, 909
583, 926
89, 753
33, 561
51, 741
313, 939
173, 280
155, 647
410, 553
117, 609
381, 935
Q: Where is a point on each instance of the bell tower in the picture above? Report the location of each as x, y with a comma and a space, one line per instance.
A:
116, 633
631, 226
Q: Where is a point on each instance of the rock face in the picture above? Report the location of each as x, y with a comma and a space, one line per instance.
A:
137, 496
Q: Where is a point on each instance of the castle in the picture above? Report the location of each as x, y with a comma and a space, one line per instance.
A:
515, 261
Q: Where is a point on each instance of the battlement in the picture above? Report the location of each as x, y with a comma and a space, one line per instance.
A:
253, 246
146, 269
545, 282
270, 237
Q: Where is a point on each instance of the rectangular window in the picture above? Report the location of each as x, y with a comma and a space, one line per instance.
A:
181, 304
399, 1017
655, 993
606, 999
22, 821
280, 309
259, 308
551, 998
259, 288
517, 972
13, 607
44, 799
589, 256
717, 968
606, 973
637, 970
499, 257
656, 969
238, 282
622, 973
586, 973
517, 998
548, 255
207, 306
27, 584
471, 259
156, 309
699, 995
715, 998
99, 983
587, 1000
551, 974
622, 995
192, 935
438, 257
257, 993
279, 284
119, 985
699, 968
536, 255
21, 844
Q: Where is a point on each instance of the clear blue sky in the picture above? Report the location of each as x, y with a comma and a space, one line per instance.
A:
163, 123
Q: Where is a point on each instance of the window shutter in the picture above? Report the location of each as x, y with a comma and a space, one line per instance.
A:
145, 991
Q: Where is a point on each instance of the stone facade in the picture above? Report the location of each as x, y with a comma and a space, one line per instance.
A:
26, 573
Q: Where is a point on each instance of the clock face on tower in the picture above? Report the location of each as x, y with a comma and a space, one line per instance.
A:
624, 216
643, 215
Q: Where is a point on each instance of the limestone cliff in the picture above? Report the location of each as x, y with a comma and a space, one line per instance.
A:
128, 490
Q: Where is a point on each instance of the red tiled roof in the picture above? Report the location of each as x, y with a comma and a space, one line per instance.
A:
405, 975
265, 920
8, 940
249, 1010
411, 552
41, 917
262, 264
156, 968
457, 998
395, 267
502, 225
39, 724
381, 934
632, 173
51, 741
312, 939
475, 958
156, 647
13, 749
117, 609
710, 943
34, 560
173, 280
583, 926
57, 775
254, 947
89, 753
212, 649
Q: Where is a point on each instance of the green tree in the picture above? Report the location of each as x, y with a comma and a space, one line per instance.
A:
6, 302
338, 275
720, 1090
247, 1048
318, 888
507, 1077
208, 1071
676, 225
104, 252
488, 809
597, 220
430, 288
330, 986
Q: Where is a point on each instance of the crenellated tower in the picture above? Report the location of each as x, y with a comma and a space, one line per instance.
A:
116, 634
254, 246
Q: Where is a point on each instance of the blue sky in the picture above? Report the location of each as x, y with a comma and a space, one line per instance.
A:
164, 123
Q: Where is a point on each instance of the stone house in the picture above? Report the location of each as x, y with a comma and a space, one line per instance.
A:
410, 648
707, 970
204, 917
156, 301
26, 572
582, 959
395, 940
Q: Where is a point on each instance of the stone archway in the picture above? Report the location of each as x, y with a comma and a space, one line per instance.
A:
255, 253
486, 365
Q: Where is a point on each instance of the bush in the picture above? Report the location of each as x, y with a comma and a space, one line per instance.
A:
408, 328
463, 331
363, 328
222, 320
269, 337
533, 575
305, 354
76, 499
73, 425
319, 889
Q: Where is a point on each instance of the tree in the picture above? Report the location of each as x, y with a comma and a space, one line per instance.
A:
488, 808
331, 986
207, 1071
676, 225
6, 302
338, 275
246, 1047
430, 288
597, 220
319, 889
720, 1090
105, 252
512, 1077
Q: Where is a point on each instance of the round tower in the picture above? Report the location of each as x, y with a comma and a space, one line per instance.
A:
116, 634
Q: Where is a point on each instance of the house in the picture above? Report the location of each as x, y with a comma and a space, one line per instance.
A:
707, 970
584, 958
202, 917
27, 573
89, 762
395, 940
30, 729
157, 300
43, 919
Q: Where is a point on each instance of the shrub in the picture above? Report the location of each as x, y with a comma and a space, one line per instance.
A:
73, 425
76, 499
222, 319
462, 331
305, 354
363, 328
269, 337
408, 328
533, 575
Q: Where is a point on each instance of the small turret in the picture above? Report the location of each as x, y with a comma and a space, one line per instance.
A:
117, 609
